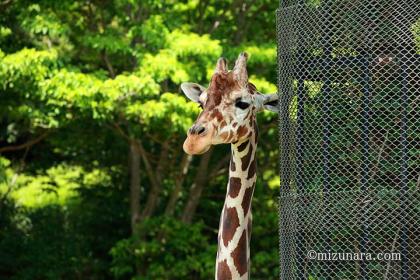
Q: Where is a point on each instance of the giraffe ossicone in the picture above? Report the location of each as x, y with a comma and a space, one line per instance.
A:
230, 104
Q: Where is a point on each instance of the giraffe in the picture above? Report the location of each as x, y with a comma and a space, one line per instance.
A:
229, 106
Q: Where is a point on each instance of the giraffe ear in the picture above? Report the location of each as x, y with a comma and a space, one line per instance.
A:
192, 90
269, 102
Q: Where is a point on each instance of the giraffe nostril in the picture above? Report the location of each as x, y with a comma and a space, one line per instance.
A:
201, 130
197, 129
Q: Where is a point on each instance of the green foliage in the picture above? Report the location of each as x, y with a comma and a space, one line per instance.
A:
263, 55
168, 249
172, 113
416, 32
49, 227
4, 32
154, 32
26, 68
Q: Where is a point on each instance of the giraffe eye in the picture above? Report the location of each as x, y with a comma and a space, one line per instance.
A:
200, 105
241, 105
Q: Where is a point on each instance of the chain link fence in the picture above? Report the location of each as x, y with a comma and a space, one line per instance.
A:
349, 82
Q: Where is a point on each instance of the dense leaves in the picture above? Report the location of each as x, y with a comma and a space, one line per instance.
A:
92, 122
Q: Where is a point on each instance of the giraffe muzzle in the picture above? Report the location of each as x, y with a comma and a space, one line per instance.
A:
199, 140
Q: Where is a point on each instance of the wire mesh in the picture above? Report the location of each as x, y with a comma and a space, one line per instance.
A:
349, 139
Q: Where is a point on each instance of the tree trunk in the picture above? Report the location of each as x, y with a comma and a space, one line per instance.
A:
155, 189
197, 188
162, 162
185, 164
134, 167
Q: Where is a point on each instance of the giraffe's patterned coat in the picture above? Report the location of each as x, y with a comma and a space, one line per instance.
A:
233, 256
230, 104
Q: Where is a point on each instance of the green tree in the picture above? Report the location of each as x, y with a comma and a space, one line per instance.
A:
93, 180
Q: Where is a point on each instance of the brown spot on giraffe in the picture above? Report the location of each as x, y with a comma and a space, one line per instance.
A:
246, 201
256, 132
252, 88
232, 164
223, 271
250, 134
230, 223
251, 124
224, 135
247, 116
217, 115
239, 255
245, 159
242, 146
234, 186
252, 169
242, 131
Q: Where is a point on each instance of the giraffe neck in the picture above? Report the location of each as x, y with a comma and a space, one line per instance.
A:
233, 254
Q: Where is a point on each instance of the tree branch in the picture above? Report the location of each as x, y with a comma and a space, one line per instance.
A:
154, 192
108, 64
197, 188
162, 161
5, 4
28, 144
220, 165
134, 169
155, 189
185, 164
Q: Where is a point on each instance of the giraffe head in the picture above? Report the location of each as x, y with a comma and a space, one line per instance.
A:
229, 104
